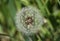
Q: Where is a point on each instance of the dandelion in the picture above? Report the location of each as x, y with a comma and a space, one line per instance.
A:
29, 20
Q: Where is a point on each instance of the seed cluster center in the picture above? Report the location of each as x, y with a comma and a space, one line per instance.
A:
29, 20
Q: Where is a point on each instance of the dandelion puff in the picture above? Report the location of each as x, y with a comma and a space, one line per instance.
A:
29, 20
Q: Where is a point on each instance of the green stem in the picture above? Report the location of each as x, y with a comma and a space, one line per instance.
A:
45, 7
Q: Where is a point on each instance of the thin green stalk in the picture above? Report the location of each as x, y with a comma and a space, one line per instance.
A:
46, 8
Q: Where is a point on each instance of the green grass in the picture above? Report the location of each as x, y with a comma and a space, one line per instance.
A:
50, 10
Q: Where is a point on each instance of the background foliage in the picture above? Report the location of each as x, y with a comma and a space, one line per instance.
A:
50, 10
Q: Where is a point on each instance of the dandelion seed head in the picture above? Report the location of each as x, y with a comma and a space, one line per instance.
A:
29, 20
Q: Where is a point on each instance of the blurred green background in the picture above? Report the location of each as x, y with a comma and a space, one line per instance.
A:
50, 10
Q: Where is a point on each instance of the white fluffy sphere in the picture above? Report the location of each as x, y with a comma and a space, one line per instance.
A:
29, 20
